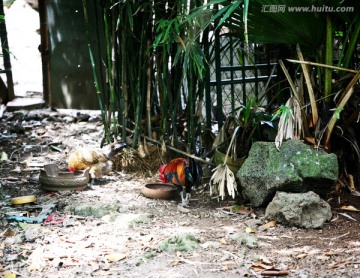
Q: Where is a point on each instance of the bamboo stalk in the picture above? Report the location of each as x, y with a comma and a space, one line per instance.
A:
305, 69
321, 65
352, 44
328, 58
148, 92
97, 86
291, 83
124, 82
343, 100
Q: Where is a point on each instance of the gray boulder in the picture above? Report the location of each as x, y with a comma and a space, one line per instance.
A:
304, 210
296, 167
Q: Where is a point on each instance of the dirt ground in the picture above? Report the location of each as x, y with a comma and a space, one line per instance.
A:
126, 240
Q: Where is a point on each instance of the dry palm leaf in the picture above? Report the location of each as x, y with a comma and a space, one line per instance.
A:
224, 176
290, 123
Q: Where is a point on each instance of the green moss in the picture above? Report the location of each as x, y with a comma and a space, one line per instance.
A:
149, 255
141, 220
179, 243
95, 211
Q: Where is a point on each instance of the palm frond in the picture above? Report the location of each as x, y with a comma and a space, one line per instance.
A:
290, 123
223, 176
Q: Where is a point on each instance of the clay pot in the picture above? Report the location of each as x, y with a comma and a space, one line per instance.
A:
163, 191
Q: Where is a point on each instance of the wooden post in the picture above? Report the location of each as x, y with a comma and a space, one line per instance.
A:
45, 52
6, 56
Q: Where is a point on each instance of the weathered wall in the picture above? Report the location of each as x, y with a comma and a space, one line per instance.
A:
71, 77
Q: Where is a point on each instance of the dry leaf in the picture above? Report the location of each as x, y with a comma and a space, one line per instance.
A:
16, 170
311, 140
347, 216
3, 156
355, 193
275, 272
267, 261
336, 265
223, 241
322, 258
349, 208
176, 262
290, 125
330, 253
301, 256
351, 182
250, 230
34, 267
9, 233
261, 266
242, 210
115, 257
270, 224
10, 275
11, 178
238, 209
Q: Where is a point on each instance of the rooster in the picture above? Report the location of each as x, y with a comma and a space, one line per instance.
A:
98, 160
182, 172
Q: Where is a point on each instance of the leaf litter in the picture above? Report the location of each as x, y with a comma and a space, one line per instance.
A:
112, 244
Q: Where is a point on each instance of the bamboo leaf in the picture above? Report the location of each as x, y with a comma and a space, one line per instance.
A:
230, 10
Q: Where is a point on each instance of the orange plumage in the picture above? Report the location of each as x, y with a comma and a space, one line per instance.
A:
182, 172
98, 160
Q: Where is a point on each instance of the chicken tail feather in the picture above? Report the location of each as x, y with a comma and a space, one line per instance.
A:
113, 149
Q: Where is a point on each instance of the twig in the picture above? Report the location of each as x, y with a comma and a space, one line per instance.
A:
173, 149
333, 238
197, 263
347, 216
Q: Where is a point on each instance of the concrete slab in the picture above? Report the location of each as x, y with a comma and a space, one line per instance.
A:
25, 103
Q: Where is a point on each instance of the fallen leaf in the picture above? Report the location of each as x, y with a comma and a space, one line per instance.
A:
347, 216
275, 272
11, 178
261, 266
330, 253
270, 224
355, 193
322, 258
34, 267
16, 170
249, 230
223, 241
301, 256
266, 261
115, 257
336, 265
351, 182
176, 262
4, 156
9, 233
10, 275
41, 131
239, 209
349, 208
311, 140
